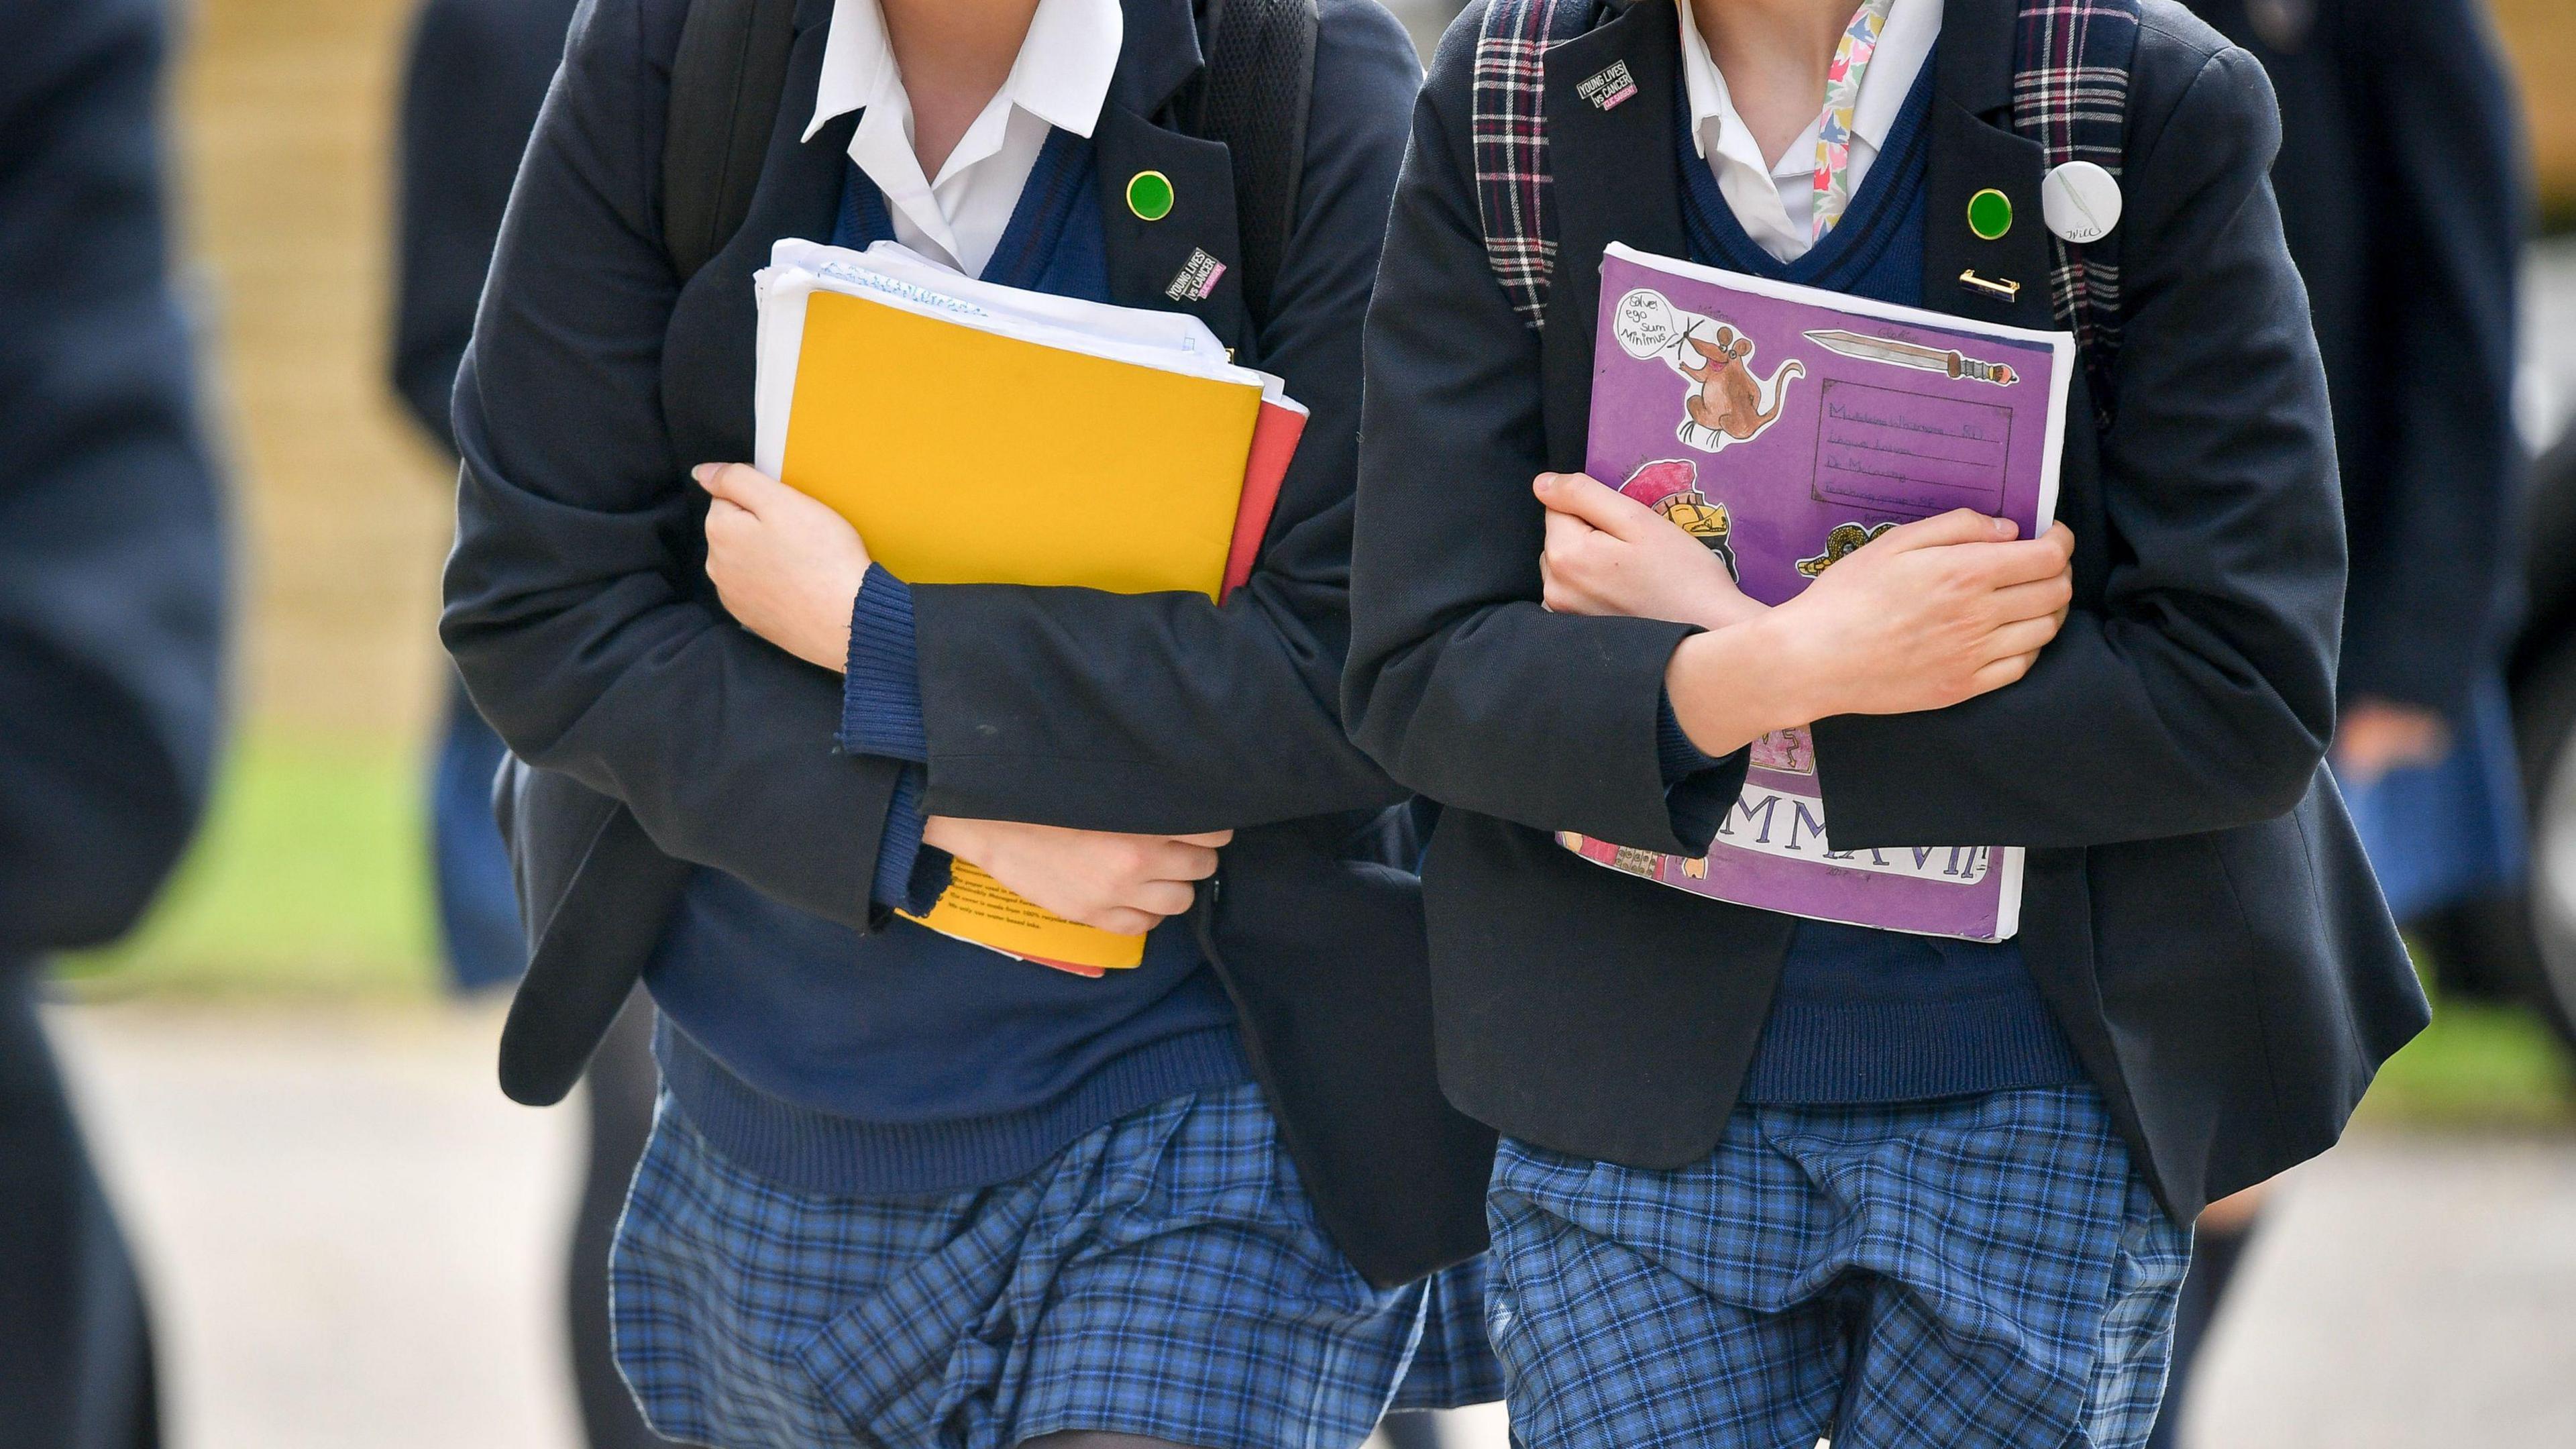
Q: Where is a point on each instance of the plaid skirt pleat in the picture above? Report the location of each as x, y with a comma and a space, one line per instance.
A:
1985, 1271
1163, 1276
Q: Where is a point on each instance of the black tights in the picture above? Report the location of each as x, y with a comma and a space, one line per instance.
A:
618, 1089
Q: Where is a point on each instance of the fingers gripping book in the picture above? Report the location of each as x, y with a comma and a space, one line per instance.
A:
1783, 427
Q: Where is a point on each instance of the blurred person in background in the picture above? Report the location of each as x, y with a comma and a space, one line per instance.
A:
111, 612
476, 77
2402, 187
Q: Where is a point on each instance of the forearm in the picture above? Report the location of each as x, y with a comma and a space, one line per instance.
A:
720, 745
1146, 713
2113, 736
1731, 686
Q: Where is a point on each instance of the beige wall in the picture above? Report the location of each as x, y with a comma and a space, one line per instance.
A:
2540, 35
283, 110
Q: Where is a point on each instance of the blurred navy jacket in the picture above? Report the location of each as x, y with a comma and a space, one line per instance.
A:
475, 78
477, 74
111, 546
2401, 178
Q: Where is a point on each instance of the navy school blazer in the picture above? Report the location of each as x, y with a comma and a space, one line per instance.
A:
654, 734
2197, 911
112, 552
2404, 199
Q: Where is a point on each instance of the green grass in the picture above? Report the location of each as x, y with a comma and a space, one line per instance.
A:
2477, 1065
311, 876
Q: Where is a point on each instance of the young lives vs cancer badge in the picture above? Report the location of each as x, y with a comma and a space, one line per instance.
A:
1785, 427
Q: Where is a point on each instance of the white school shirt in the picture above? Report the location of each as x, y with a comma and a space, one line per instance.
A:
1061, 78
1775, 203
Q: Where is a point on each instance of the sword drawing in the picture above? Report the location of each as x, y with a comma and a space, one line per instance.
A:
1914, 355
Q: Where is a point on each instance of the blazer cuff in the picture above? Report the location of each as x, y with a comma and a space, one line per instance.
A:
1674, 753
910, 875
1699, 788
881, 693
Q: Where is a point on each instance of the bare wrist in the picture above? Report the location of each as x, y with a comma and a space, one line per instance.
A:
951, 834
1730, 687
1730, 610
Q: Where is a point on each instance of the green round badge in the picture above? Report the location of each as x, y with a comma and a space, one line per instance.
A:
1149, 195
1990, 214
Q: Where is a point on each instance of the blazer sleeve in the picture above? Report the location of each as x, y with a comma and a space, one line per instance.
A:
2444, 157
1165, 712
1459, 682
2198, 693
111, 541
576, 609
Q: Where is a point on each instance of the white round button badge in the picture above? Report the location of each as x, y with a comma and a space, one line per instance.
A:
2080, 201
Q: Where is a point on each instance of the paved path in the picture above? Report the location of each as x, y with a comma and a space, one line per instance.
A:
352, 1240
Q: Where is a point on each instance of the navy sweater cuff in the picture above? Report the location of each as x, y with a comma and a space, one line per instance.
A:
1694, 782
881, 695
1679, 758
910, 875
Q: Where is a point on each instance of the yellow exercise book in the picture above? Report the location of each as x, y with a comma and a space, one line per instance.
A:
981, 434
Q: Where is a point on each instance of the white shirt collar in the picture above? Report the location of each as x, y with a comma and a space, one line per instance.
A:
1904, 46
1062, 75
1775, 203
1061, 78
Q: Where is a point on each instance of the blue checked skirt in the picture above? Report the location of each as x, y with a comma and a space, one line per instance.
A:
1163, 1275
1980, 1271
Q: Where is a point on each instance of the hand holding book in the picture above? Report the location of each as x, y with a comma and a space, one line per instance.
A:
788, 569
786, 566
1125, 884
1924, 616
1609, 554
1893, 516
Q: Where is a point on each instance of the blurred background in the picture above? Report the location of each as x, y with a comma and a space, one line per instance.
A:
350, 1238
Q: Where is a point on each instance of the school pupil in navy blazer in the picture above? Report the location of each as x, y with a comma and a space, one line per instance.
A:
898, 1183
112, 593
2404, 199
476, 72
1765, 1180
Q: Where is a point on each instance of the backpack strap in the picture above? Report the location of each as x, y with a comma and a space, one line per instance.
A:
1507, 134
731, 70
2071, 61
725, 84
1254, 97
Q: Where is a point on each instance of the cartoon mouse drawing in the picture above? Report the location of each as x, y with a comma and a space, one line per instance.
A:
1729, 405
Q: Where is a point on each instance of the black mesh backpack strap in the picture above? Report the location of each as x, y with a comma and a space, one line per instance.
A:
1259, 85
1507, 124
725, 86
2071, 62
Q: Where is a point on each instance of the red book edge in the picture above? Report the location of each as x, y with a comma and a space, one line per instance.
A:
1265, 467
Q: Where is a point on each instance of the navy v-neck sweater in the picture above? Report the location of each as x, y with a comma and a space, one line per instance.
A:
1863, 1015
903, 1061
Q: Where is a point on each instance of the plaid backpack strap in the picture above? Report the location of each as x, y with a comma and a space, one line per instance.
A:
2071, 62
1508, 133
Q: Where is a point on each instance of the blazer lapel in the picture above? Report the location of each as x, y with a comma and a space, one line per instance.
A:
1974, 149
1188, 260
709, 354
1614, 180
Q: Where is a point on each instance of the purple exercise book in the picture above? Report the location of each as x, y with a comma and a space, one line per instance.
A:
1784, 426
